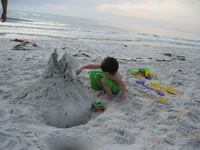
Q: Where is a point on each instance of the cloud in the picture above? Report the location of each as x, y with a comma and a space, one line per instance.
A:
167, 11
152, 9
57, 6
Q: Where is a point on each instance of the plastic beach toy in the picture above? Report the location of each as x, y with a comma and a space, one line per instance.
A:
157, 91
94, 85
144, 71
167, 89
133, 71
148, 77
162, 98
98, 106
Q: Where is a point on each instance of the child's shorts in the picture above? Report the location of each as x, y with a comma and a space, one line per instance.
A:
116, 91
111, 84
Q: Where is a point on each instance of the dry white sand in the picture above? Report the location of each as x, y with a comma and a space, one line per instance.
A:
47, 107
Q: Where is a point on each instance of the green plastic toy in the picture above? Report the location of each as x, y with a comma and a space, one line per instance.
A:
99, 104
144, 70
93, 83
133, 71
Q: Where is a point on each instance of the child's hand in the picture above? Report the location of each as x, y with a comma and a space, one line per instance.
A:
78, 71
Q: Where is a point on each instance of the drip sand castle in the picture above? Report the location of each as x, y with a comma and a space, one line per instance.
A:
56, 99
60, 100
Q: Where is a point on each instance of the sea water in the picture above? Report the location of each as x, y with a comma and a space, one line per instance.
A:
45, 26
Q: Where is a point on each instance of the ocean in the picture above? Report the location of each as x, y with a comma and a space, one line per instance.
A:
45, 26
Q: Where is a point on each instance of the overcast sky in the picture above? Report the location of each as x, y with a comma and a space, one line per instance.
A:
182, 14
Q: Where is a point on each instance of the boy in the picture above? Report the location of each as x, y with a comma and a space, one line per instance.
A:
110, 68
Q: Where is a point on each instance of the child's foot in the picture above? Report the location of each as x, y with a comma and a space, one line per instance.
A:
100, 94
119, 100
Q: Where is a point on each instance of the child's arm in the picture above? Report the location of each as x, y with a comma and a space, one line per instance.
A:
123, 89
89, 66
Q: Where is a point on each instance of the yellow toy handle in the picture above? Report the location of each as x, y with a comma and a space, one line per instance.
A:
168, 89
162, 98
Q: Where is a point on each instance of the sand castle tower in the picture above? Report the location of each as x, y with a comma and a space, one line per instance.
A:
57, 98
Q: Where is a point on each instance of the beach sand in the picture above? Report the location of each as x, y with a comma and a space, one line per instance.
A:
45, 106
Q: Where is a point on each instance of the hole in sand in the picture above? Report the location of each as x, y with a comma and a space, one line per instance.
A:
60, 118
66, 143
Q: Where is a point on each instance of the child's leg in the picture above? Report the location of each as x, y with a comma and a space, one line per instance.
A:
98, 82
106, 88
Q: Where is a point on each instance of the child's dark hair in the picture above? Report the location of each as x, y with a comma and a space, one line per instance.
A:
110, 64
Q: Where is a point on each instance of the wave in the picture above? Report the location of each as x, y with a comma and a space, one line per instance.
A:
85, 32
168, 37
57, 28
38, 35
36, 27
18, 20
2, 33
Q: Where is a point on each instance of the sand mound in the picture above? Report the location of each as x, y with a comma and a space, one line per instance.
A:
58, 98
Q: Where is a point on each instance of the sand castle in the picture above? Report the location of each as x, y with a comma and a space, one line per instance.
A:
58, 99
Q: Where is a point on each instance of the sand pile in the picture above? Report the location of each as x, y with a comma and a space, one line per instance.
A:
58, 99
